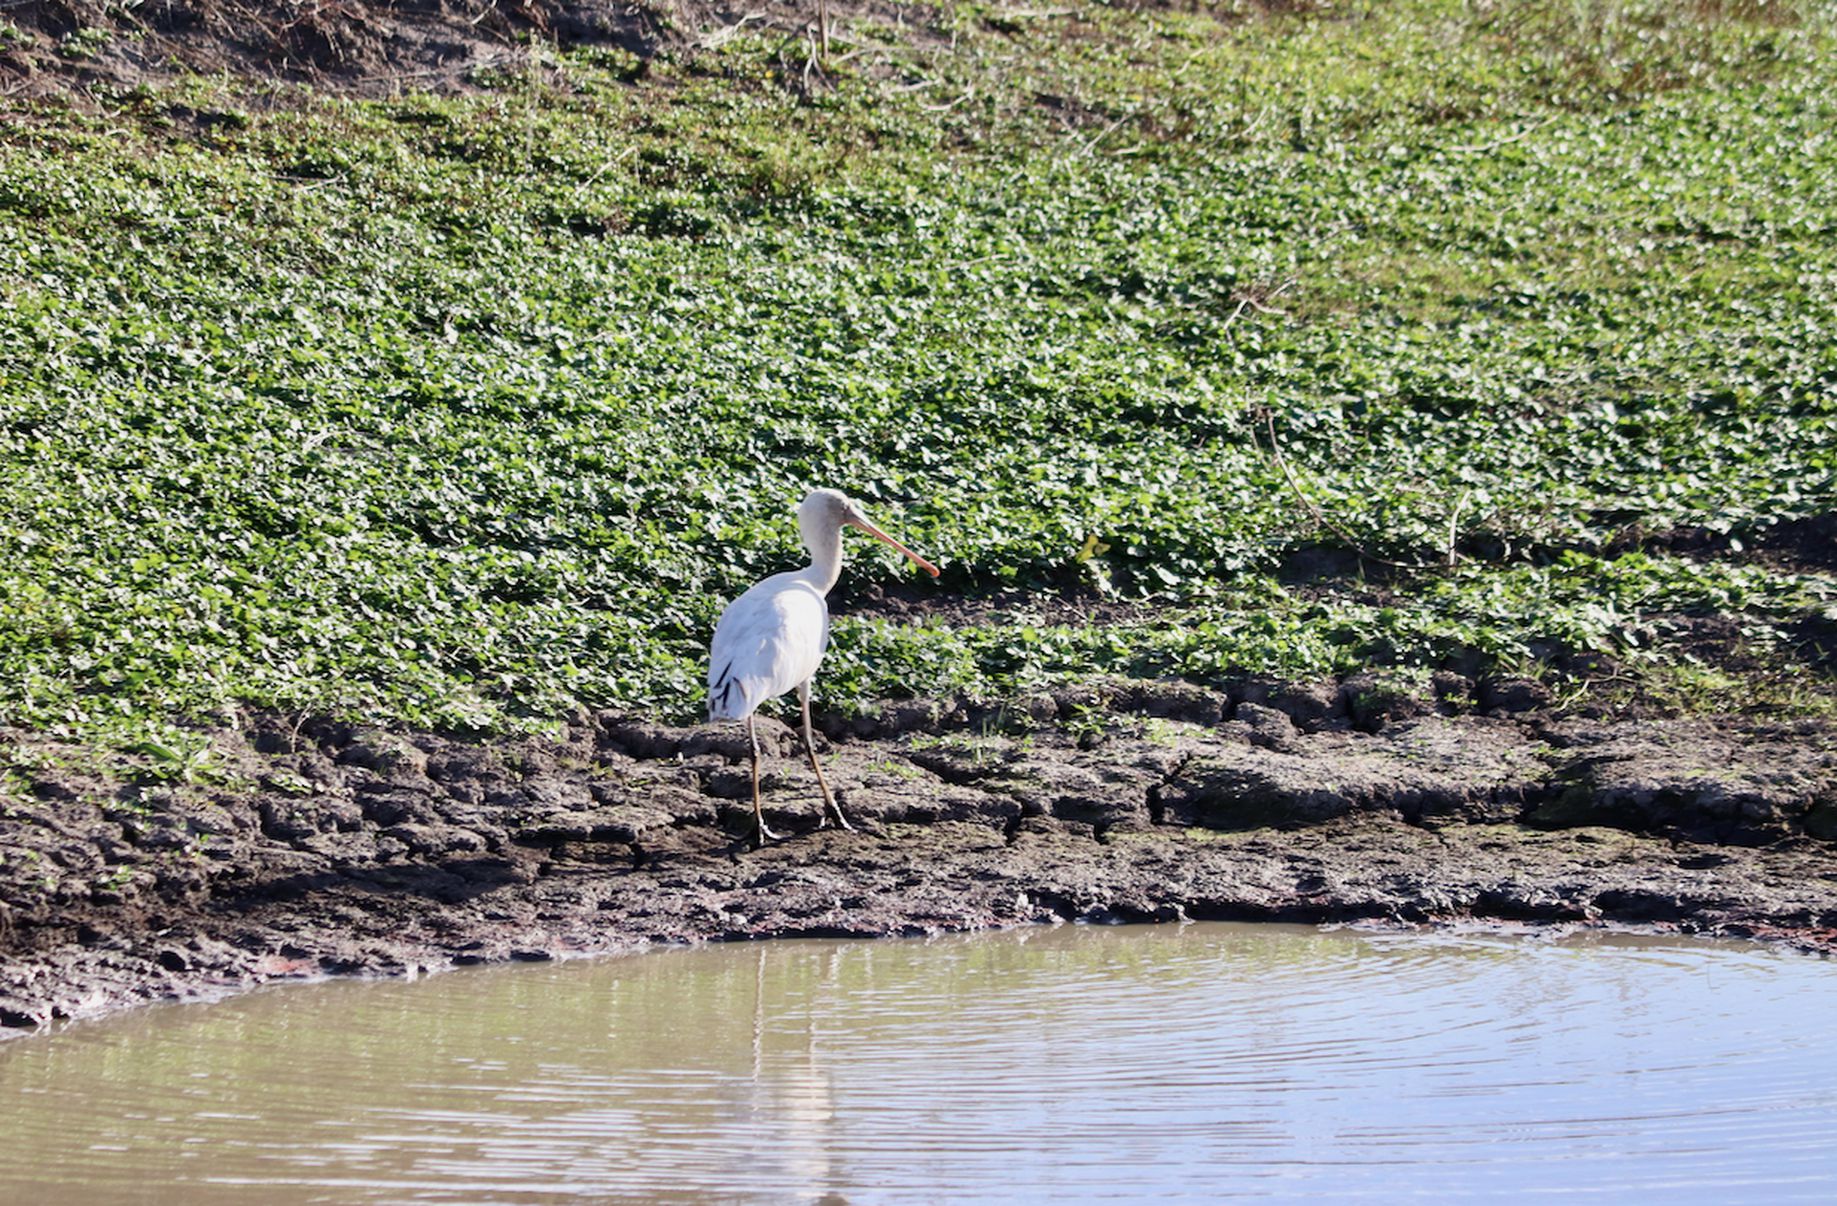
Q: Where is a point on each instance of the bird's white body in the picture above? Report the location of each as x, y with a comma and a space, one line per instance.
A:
771, 639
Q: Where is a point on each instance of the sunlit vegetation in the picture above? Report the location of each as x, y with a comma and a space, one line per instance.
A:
1334, 335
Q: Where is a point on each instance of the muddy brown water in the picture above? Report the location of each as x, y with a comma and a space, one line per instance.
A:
1130, 1063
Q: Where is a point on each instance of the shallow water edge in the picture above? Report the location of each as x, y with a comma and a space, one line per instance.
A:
1176, 1063
358, 852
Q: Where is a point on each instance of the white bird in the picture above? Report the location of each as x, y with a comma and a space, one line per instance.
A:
772, 637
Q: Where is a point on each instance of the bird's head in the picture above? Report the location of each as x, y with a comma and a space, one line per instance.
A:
827, 508
824, 511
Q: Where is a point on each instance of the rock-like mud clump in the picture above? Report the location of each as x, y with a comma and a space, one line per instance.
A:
315, 847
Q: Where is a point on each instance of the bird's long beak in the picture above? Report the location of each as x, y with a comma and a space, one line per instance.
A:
877, 534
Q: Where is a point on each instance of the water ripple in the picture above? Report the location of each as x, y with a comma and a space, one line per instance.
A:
1187, 1063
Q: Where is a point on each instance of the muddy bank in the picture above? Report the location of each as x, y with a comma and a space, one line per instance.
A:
388, 47
318, 848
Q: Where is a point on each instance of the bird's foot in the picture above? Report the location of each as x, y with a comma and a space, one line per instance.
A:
762, 833
835, 813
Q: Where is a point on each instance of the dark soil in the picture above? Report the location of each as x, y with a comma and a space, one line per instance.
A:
318, 848
1807, 545
375, 47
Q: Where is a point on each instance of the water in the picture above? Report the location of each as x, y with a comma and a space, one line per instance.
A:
1173, 1063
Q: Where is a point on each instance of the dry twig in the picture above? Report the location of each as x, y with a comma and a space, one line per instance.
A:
1499, 142
1246, 302
1320, 517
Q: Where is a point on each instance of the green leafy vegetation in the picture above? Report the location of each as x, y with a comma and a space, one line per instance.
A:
1329, 334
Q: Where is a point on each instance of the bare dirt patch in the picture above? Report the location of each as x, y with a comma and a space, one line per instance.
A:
324, 848
372, 47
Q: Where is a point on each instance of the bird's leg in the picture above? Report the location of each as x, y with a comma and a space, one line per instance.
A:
761, 835
830, 807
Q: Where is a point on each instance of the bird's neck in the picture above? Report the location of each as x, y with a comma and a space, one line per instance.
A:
825, 558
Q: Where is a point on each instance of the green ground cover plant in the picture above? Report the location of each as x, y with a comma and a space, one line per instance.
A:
1302, 337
